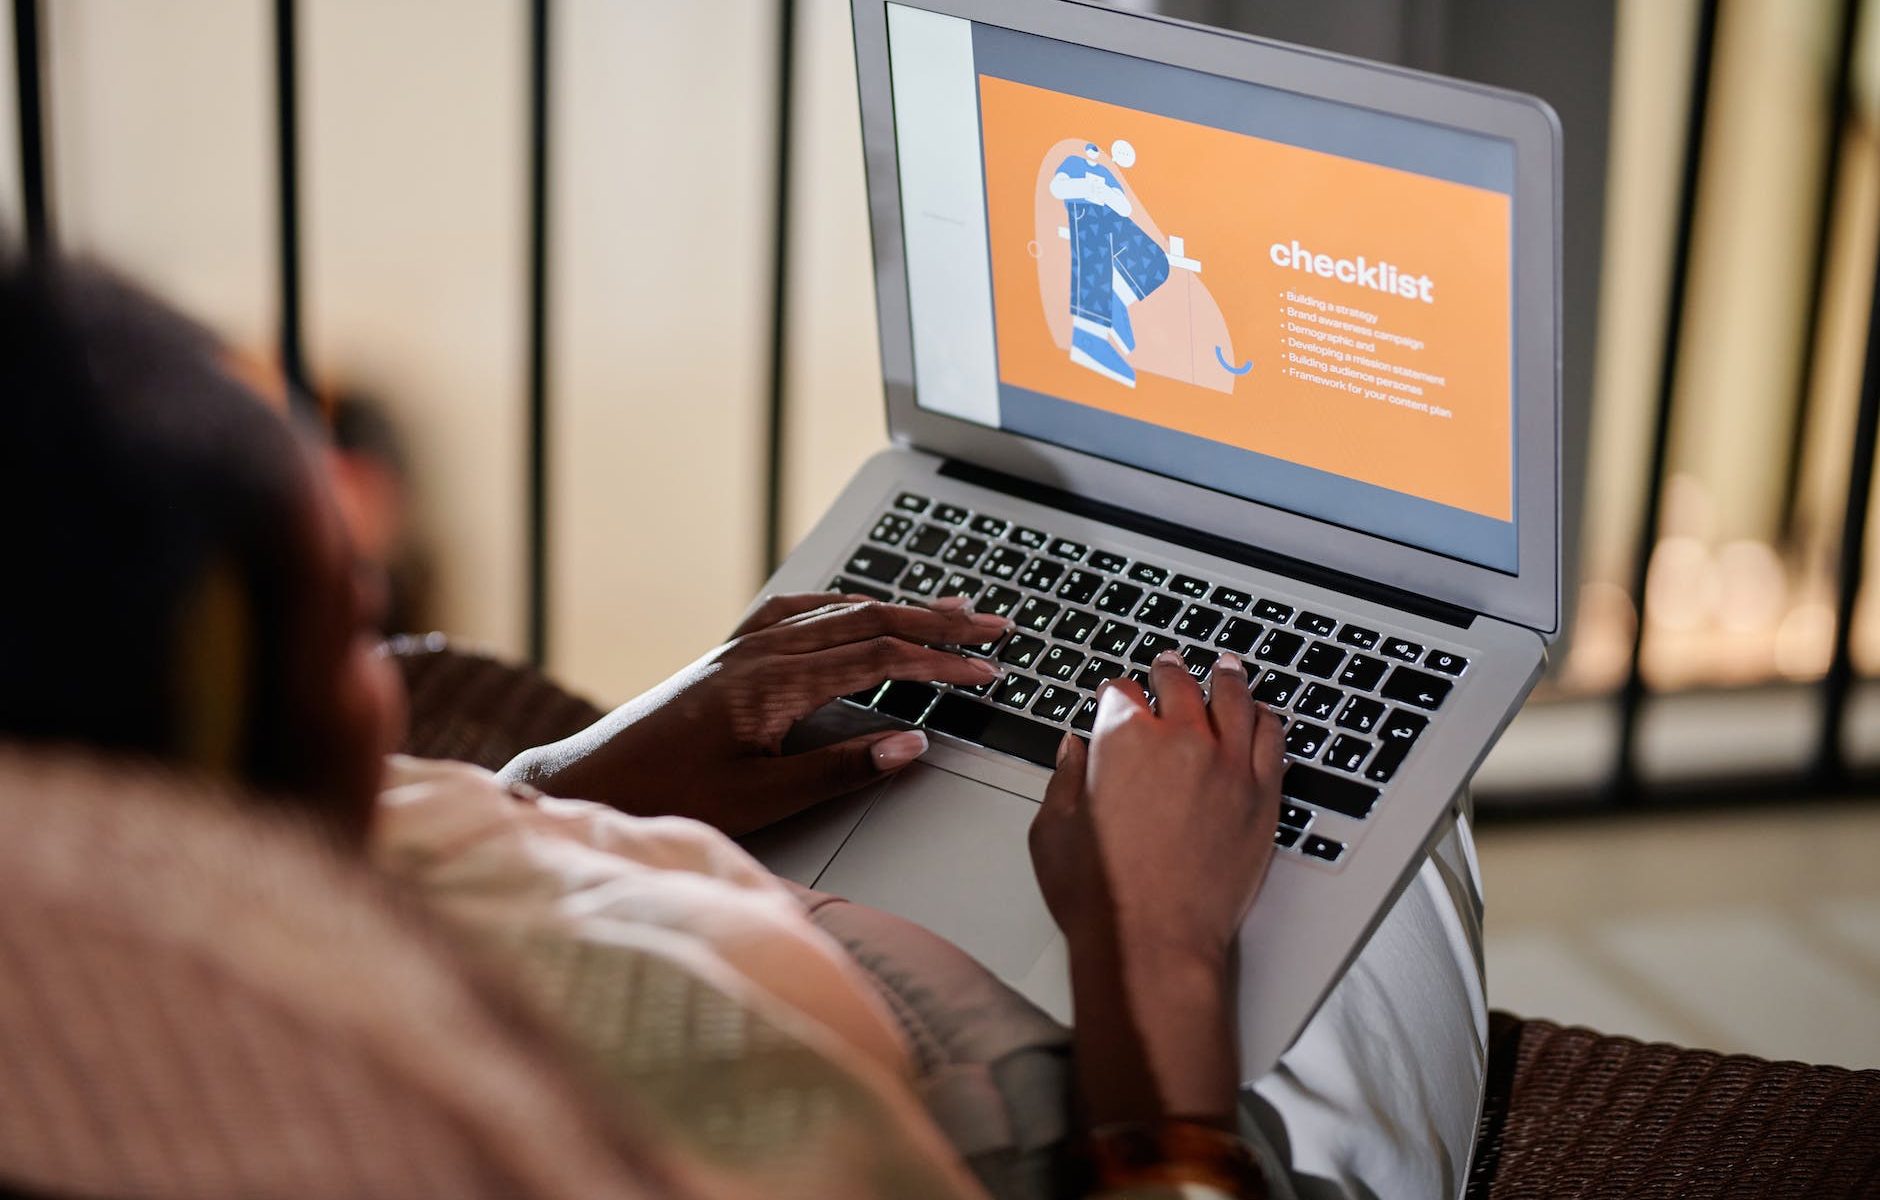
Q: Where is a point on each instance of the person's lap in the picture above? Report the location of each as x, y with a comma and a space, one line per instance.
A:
1379, 1096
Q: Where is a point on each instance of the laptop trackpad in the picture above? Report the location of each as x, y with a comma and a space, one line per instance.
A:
949, 853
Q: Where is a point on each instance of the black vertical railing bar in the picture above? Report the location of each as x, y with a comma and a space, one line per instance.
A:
1624, 784
539, 31
776, 412
32, 127
1840, 95
1830, 763
287, 163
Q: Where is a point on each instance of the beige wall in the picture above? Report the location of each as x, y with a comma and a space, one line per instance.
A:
9, 128
414, 217
414, 234
159, 122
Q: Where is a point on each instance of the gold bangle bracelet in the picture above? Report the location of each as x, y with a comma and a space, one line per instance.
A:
1170, 1152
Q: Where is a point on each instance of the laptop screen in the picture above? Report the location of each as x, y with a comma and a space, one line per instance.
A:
1280, 297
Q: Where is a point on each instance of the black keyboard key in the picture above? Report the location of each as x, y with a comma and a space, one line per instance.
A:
965, 551
1060, 663
1031, 539
1279, 648
1305, 740
1319, 702
1151, 645
983, 649
855, 587
1074, 626
977, 689
1022, 651
1035, 614
1324, 848
922, 579
999, 601
1230, 598
890, 529
864, 698
992, 527
1016, 691
1398, 648
1003, 563
1140, 678
1079, 587
1200, 660
1106, 562
906, 701
1056, 704
952, 514
1041, 575
1321, 659
1360, 714
1115, 638
1294, 816
1188, 585
1384, 764
1359, 636
909, 502
1363, 672
1097, 672
1273, 610
928, 540
1404, 726
1322, 789
1444, 661
1315, 624
1286, 837
1159, 610
1407, 685
1067, 550
1239, 635
1086, 718
1144, 573
984, 725
1119, 598
1198, 623
877, 565
1347, 753
1275, 689
960, 584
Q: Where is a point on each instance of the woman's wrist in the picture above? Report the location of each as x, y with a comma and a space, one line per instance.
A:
1155, 1035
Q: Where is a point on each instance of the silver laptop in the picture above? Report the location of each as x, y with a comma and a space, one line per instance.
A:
1193, 341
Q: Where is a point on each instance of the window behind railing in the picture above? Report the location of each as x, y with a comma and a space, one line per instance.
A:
632, 342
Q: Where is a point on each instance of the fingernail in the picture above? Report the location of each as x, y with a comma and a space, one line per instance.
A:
1170, 658
1064, 748
897, 750
1230, 662
991, 621
988, 668
950, 603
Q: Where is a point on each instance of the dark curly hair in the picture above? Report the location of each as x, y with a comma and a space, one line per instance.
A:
155, 552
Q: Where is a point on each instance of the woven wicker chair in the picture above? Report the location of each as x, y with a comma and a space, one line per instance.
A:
1569, 1113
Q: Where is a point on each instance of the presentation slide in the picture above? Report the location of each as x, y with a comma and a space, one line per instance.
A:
1341, 315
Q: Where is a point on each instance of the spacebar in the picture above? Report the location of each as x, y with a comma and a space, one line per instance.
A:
995, 729
1310, 785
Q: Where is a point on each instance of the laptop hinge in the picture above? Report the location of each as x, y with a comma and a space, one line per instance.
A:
1208, 543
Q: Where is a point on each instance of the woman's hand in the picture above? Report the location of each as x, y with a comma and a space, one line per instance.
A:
708, 742
1149, 848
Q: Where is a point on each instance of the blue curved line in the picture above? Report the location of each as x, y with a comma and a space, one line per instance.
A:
1230, 368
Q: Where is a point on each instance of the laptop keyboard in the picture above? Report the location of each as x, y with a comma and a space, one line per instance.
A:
1355, 699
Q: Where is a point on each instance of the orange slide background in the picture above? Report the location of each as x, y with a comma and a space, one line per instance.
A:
1231, 196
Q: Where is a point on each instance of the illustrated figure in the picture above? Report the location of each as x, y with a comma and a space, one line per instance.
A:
1114, 264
